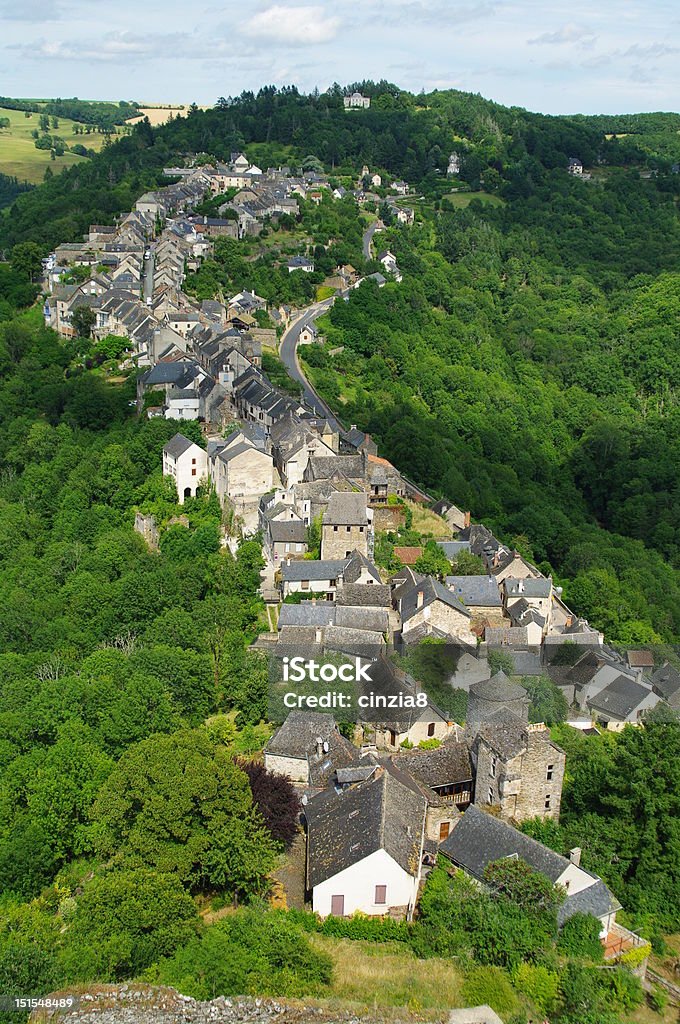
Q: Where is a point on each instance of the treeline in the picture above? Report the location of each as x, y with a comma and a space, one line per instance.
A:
88, 111
11, 187
409, 137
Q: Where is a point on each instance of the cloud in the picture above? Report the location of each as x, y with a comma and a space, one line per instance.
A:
30, 10
294, 26
567, 34
114, 47
418, 14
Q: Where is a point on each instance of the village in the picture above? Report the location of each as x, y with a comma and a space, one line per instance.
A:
381, 804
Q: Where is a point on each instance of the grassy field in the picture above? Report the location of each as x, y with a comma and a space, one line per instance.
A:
462, 199
377, 975
20, 158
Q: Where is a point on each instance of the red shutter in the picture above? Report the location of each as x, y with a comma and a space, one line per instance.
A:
338, 906
381, 894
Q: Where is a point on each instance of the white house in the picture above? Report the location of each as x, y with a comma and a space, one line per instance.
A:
575, 166
454, 165
479, 838
357, 102
308, 335
365, 847
300, 263
186, 463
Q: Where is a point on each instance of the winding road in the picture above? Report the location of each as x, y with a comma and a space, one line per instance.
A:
289, 341
288, 356
368, 238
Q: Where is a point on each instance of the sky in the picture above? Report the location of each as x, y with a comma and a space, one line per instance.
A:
591, 56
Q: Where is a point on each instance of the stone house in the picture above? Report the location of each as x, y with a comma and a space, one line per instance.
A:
480, 595
518, 770
346, 525
307, 749
623, 701
429, 609
445, 778
186, 463
240, 470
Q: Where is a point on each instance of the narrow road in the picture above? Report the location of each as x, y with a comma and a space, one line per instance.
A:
288, 355
368, 238
148, 278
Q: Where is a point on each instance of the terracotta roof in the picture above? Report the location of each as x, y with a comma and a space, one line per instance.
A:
408, 555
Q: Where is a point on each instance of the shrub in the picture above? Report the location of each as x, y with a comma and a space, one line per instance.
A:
580, 937
491, 986
539, 984
372, 929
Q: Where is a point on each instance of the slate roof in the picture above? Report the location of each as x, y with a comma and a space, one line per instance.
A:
476, 591
307, 569
298, 734
505, 734
528, 587
287, 531
596, 900
166, 373
444, 766
498, 688
481, 838
343, 829
346, 508
308, 613
367, 595
452, 548
432, 590
620, 697
177, 445
356, 773
640, 659
360, 617
666, 682
356, 563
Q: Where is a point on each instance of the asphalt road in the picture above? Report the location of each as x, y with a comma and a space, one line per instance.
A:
368, 238
288, 355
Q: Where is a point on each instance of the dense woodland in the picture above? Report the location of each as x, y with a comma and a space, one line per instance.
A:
527, 367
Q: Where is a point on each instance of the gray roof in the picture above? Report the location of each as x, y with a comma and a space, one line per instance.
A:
620, 697
528, 587
666, 682
480, 838
166, 373
356, 773
452, 548
308, 613
299, 733
345, 828
287, 531
367, 595
356, 563
360, 617
476, 591
308, 569
177, 445
432, 590
596, 900
498, 688
346, 508
448, 764
504, 733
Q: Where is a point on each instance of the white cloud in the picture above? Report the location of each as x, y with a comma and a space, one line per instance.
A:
294, 26
567, 34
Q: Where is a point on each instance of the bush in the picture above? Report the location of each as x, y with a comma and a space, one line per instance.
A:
490, 986
580, 937
539, 984
250, 952
372, 929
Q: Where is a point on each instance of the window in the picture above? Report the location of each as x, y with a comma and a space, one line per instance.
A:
304, 585
348, 528
338, 906
361, 529
381, 894
335, 529
393, 738
332, 582
193, 471
547, 802
193, 462
492, 767
549, 773
490, 795
444, 829
430, 729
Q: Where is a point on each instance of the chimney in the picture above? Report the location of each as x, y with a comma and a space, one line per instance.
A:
319, 746
318, 636
419, 599
575, 856
520, 587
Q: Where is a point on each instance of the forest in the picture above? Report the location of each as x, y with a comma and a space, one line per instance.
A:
527, 367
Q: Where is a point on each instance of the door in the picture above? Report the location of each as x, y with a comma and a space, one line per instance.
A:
444, 829
338, 906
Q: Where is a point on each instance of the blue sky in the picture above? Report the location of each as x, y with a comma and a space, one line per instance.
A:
584, 55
